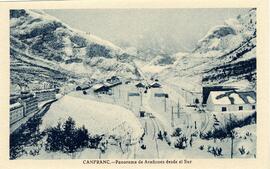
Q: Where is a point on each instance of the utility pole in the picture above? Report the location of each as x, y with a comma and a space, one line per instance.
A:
145, 128
231, 136
178, 109
141, 97
172, 123
119, 92
186, 96
164, 103
99, 155
134, 151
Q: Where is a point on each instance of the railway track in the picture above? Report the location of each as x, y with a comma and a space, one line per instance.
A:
206, 122
156, 130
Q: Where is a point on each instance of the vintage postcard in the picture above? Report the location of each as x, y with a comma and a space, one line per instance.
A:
111, 84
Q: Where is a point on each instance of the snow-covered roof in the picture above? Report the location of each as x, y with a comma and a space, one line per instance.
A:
98, 86
140, 84
107, 84
251, 100
215, 100
248, 96
44, 90
15, 105
83, 86
154, 83
232, 97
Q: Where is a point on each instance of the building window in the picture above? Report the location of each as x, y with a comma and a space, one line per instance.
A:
253, 107
224, 109
240, 107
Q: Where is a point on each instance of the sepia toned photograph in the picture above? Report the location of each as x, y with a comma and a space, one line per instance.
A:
133, 83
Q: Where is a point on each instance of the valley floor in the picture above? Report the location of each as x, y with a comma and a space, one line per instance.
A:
118, 114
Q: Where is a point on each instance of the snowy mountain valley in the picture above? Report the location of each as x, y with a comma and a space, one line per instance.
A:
89, 98
44, 48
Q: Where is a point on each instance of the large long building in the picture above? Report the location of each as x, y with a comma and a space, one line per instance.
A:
16, 112
27, 103
30, 103
43, 95
22, 105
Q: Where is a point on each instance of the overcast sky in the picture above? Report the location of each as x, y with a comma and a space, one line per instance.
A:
176, 27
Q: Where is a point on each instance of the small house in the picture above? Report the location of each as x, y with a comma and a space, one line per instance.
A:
140, 85
113, 81
166, 95
207, 89
115, 78
127, 82
155, 85
82, 87
231, 101
108, 80
101, 88
142, 113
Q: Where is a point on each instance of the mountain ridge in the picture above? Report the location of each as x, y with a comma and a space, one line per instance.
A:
219, 49
40, 41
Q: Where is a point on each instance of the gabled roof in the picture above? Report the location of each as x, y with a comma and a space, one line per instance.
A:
140, 84
84, 86
13, 99
27, 96
98, 86
107, 84
232, 97
155, 83
248, 96
15, 105
208, 89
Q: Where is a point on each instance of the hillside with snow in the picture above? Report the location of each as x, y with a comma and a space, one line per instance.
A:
99, 118
42, 47
225, 55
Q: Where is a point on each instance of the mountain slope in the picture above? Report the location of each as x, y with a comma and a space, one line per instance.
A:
44, 48
225, 55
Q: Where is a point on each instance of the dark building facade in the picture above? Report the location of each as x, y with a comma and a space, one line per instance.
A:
44, 95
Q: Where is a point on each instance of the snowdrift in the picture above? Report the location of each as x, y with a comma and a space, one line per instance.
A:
99, 118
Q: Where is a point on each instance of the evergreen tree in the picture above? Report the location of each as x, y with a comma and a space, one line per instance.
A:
67, 138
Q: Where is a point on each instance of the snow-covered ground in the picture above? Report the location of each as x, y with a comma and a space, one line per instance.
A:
117, 114
98, 118
181, 76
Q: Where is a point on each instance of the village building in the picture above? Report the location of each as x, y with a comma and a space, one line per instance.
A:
101, 89
115, 78
16, 112
127, 82
59, 77
29, 102
113, 81
231, 101
109, 80
155, 85
37, 85
140, 85
83, 87
207, 89
44, 95
22, 105
142, 113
